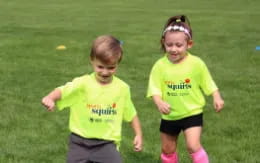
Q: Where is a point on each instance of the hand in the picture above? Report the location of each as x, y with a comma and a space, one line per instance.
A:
218, 102
48, 103
138, 143
163, 107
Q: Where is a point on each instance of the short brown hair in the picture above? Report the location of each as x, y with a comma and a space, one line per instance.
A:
107, 49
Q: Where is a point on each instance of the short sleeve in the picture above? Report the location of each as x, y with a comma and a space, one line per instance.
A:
207, 83
154, 85
130, 111
70, 93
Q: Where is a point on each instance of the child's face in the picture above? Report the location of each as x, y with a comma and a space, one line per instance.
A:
104, 72
176, 46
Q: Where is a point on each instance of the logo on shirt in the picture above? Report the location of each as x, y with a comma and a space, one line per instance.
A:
103, 109
180, 85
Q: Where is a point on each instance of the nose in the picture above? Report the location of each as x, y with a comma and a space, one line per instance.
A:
105, 72
173, 49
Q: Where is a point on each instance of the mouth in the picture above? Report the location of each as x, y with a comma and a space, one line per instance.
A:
174, 55
105, 77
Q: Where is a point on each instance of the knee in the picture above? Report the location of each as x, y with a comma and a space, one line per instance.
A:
194, 147
168, 149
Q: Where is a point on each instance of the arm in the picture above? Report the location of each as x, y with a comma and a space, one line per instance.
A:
217, 101
162, 106
49, 100
138, 140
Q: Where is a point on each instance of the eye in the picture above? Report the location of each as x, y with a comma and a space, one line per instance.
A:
112, 67
100, 67
179, 45
169, 44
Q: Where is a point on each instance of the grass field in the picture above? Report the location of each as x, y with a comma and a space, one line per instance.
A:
226, 33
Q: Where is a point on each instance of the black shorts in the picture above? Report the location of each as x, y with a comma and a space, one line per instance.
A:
174, 127
82, 150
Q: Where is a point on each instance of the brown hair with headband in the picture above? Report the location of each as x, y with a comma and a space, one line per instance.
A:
180, 21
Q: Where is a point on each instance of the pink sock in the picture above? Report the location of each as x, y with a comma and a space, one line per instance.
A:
169, 158
200, 156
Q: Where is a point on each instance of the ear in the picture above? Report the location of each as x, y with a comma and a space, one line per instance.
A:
91, 61
190, 44
162, 41
162, 44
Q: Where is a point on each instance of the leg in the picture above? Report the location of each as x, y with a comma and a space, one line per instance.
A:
192, 137
169, 145
77, 152
107, 153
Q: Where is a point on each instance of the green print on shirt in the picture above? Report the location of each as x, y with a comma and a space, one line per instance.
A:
100, 110
181, 85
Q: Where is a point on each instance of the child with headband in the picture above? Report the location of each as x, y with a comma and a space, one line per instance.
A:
99, 102
175, 85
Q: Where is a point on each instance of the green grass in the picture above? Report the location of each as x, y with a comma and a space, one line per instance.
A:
225, 34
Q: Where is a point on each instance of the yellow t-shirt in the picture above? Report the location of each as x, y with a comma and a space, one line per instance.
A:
180, 85
97, 111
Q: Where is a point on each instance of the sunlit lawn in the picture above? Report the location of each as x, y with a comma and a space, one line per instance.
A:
225, 34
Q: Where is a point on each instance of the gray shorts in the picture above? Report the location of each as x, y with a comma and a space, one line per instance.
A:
82, 150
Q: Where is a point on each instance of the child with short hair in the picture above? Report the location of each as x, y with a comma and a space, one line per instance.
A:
175, 85
99, 102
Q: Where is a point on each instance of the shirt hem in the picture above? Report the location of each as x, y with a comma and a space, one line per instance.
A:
194, 112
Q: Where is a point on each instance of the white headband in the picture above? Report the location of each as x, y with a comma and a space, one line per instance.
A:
177, 28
